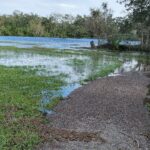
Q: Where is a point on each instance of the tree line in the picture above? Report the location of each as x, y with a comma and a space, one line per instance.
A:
99, 23
138, 19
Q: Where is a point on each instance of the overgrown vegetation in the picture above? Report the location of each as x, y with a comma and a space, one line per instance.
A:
137, 21
99, 22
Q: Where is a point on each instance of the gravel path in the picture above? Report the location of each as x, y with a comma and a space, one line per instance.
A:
106, 114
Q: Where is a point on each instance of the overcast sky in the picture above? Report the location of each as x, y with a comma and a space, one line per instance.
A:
46, 7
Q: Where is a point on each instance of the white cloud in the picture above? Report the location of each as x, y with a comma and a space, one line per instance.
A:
67, 5
45, 7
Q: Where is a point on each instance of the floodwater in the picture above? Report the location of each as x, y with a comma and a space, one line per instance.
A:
48, 65
76, 68
52, 65
46, 42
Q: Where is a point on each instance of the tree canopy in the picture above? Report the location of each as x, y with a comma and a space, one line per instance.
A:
139, 18
140, 10
99, 23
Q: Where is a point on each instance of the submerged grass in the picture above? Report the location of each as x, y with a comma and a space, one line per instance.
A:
140, 56
103, 72
20, 120
76, 62
41, 50
58, 52
53, 103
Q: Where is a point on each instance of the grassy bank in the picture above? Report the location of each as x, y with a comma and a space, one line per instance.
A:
20, 119
104, 72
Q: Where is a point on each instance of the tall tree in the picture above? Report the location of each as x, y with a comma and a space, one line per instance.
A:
140, 10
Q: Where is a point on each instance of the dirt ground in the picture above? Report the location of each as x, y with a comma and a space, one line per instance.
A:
106, 114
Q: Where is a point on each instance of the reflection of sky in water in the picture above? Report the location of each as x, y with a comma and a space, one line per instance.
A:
126, 67
52, 65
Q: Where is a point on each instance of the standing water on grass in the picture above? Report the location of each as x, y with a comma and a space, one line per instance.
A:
74, 69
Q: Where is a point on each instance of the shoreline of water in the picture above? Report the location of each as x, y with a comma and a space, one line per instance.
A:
78, 67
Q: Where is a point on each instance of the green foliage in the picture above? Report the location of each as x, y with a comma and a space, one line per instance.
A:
76, 62
57, 25
139, 20
53, 103
148, 106
140, 10
104, 72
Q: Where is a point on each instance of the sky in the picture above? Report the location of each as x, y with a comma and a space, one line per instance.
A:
46, 7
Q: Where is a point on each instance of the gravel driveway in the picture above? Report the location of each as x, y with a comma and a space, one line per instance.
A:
106, 114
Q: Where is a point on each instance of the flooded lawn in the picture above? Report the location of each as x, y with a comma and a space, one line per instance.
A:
36, 80
74, 69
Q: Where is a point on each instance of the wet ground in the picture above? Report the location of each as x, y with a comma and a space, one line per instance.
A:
32, 79
105, 114
74, 68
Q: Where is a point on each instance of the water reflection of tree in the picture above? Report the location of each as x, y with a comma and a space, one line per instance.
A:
90, 66
79, 69
94, 61
97, 60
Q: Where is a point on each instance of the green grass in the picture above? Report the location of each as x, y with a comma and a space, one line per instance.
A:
140, 56
20, 93
53, 103
76, 62
21, 123
60, 53
45, 51
104, 72
148, 106
57, 52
